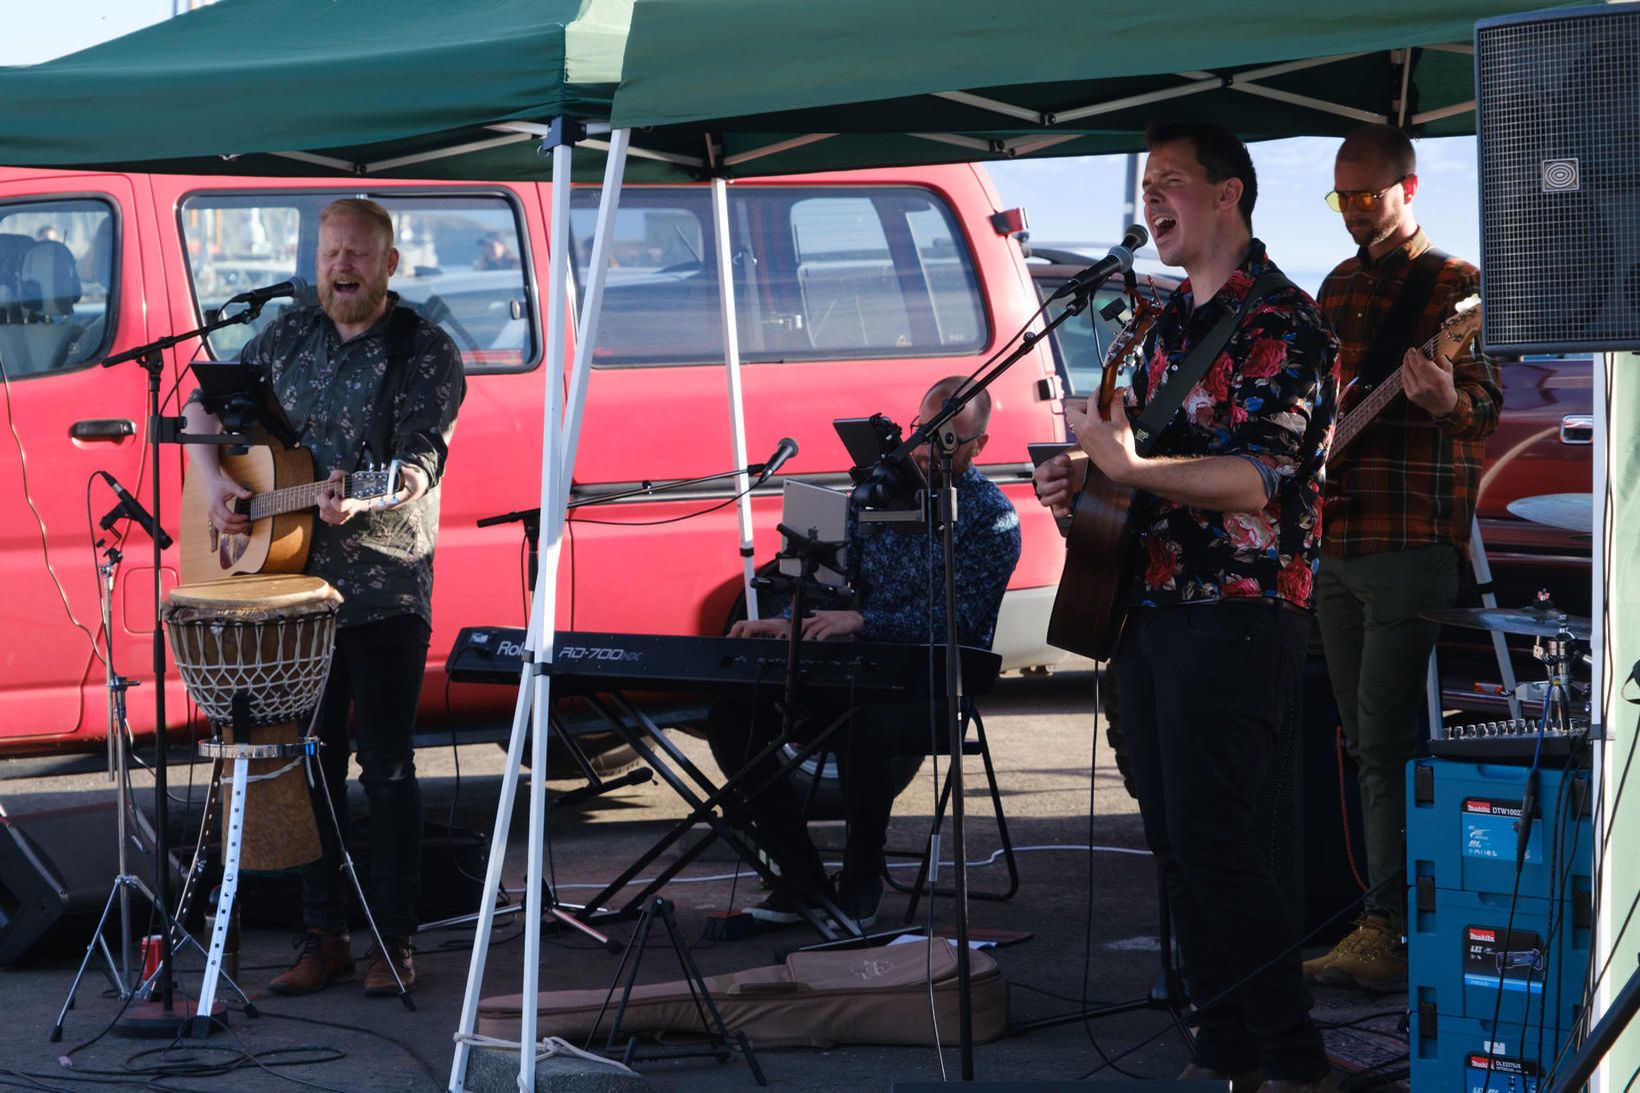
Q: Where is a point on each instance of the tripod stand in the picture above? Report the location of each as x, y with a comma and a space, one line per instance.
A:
119, 894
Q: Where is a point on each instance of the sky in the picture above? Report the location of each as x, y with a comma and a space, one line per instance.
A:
1069, 200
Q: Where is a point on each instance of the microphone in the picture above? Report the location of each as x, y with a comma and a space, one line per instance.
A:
782, 452
130, 508
1119, 260
293, 287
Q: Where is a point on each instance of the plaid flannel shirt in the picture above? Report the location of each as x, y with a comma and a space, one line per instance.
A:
1409, 479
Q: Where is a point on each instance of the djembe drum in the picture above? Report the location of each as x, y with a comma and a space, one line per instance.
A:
254, 653
261, 644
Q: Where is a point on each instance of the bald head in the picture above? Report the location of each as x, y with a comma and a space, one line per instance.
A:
970, 423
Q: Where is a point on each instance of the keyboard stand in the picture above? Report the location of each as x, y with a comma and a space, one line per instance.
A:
669, 762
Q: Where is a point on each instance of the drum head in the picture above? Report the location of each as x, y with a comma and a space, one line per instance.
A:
240, 597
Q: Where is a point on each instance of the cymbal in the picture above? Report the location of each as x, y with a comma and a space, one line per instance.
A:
1568, 511
1531, 621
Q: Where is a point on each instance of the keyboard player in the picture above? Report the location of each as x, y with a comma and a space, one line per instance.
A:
893, 569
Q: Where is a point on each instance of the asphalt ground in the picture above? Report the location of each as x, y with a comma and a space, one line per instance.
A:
1089, 916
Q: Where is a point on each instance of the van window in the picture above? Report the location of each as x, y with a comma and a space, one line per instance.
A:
822, 273
461, 264
56, 285
1083, 340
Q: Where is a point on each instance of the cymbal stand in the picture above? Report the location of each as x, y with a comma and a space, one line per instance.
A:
1555, 654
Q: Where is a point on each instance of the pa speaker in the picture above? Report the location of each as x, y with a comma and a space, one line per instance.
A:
57, 868
1558, 124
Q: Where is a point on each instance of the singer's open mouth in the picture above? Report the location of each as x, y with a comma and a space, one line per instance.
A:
345, 288
1163, 225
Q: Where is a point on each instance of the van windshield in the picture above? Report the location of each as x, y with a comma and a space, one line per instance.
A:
833, 273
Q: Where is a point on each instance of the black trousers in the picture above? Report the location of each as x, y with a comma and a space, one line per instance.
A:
375, 676
1203, 691
865, 749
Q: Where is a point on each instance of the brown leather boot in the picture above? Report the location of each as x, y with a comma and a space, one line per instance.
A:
322, 959
378, 978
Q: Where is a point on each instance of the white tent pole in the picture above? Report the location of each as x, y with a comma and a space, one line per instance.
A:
1608, 927
586, 333
543, 615
468, 1022
737, 408
534, 692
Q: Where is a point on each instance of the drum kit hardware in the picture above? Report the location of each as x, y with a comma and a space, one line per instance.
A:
1566, 511
1559, 640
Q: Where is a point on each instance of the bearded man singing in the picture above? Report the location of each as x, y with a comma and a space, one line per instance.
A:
360, 379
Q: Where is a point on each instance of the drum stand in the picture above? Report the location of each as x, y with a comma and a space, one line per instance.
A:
233, 837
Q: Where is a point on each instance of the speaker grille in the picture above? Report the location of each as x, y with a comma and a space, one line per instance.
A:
1559, 138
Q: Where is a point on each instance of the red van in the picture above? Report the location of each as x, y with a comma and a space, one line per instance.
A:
855, 292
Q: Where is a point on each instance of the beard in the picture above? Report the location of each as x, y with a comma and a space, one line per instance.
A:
356, 308
1368, 233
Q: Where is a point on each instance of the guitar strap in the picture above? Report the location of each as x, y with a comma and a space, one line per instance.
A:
1395, 332
1160, 410
401, 333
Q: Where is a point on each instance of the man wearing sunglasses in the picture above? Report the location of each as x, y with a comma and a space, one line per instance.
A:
1399, 504
892, 573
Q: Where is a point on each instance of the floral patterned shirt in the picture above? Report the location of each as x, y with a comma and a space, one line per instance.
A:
337, 396
893, 577
1270, 397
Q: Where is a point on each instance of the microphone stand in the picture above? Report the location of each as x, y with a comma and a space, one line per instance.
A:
144, 1020
942, 493
531, 518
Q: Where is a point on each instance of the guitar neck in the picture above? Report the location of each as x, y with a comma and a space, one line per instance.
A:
1371, 406
289, 499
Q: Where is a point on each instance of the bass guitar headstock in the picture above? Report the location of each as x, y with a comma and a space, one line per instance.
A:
1460, 330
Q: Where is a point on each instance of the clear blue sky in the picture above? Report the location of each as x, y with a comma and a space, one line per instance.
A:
1069, 200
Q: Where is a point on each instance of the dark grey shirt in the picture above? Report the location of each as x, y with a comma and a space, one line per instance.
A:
342, 403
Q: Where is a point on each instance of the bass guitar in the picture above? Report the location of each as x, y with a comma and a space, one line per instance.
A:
1100, 551
281, 531
1361, 404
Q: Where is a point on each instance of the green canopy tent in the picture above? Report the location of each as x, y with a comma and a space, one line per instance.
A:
861, 83
422, 89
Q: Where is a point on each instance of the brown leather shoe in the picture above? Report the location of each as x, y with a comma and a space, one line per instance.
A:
1244, 1082
322, 959
378, 978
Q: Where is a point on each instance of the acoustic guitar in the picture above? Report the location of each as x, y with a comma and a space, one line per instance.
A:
1100, 550
1361, 404
281, 531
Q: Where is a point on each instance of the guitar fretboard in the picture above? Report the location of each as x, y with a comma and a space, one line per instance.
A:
289, 499
1380, 397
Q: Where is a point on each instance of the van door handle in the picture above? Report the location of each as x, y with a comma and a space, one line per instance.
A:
1577, 429
102, 430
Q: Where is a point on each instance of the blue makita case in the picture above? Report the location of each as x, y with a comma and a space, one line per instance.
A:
1469, 1055
1477, 954
1463, 821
